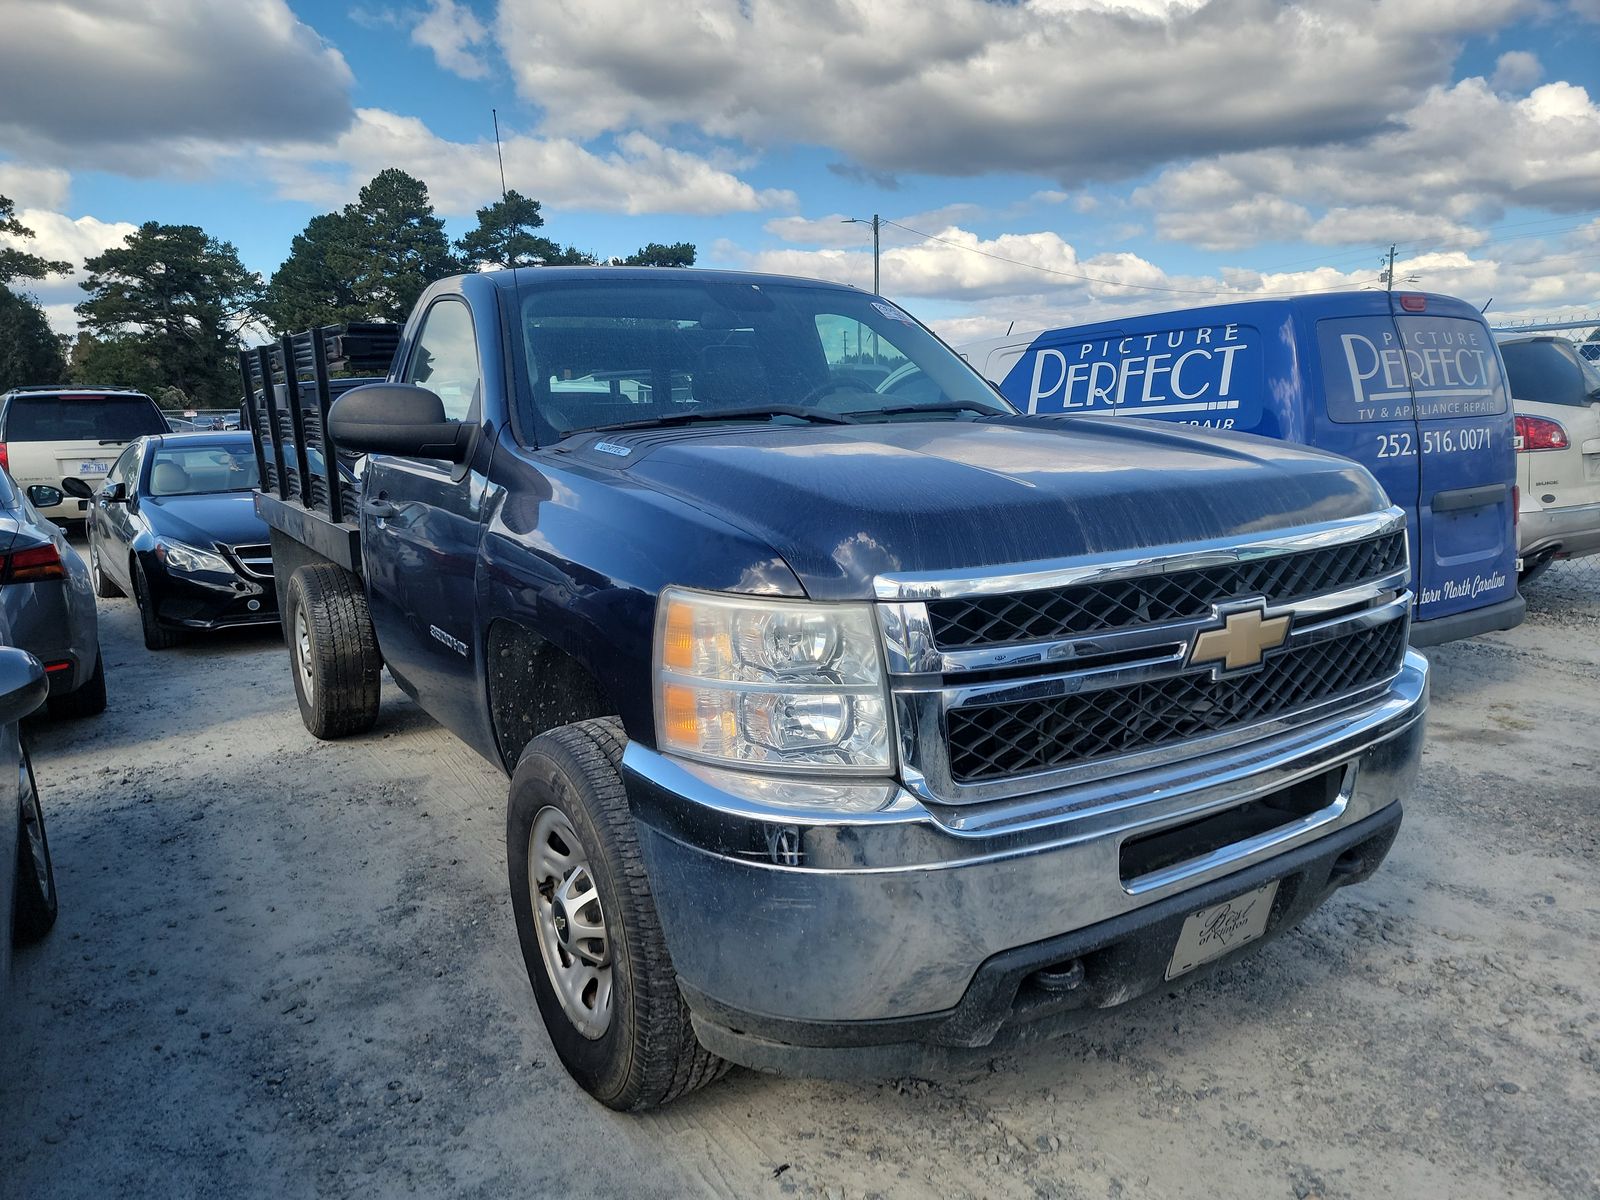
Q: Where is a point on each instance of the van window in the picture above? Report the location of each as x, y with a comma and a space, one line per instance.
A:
56, 418
1550, 371
1374, 368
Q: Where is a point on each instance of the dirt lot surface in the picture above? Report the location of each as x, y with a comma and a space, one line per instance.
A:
287, 968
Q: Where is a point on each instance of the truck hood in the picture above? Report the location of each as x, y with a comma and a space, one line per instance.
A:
843, 504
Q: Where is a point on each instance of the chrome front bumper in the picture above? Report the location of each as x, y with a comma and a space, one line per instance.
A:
832, 904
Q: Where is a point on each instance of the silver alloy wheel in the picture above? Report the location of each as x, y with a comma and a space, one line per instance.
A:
570, 922
302, 651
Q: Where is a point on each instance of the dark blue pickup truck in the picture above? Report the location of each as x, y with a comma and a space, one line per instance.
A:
847, 726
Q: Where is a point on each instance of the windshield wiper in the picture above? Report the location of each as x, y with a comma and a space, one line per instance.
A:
953, 407
816, 416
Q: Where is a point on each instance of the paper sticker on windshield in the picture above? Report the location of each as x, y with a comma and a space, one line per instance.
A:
890, 311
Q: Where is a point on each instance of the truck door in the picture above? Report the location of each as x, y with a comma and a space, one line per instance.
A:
1466, 547
420, 531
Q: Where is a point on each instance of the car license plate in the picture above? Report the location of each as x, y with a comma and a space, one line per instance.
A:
92, 467
1212, 932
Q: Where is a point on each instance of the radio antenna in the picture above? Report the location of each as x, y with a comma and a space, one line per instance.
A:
498, 156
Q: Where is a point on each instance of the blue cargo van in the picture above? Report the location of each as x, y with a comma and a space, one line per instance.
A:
1409, 385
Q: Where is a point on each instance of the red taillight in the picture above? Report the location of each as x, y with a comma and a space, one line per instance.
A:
55, 668
32, 565
5, 457
1540, 433
1414, 303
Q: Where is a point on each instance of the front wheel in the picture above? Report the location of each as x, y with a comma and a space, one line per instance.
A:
591, 939
35, 911
156, 635
334, 650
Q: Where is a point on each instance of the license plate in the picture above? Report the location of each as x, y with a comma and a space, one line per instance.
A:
93, 468
1212, 932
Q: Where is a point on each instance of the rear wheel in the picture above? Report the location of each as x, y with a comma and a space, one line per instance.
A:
334, 651
103, 587
156, 635
591, 939
36, 877
88, 701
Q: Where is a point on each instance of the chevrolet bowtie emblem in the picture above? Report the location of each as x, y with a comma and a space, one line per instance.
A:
1244, 638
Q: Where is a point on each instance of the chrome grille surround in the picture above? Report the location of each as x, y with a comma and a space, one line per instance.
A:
253, 560
929, 682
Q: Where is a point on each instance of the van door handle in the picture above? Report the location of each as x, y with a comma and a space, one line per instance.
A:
382, 509
1472, 497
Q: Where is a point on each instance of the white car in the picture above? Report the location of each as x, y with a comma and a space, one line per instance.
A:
48, 434
1556, 394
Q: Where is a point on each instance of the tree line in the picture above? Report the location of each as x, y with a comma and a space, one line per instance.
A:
165, 311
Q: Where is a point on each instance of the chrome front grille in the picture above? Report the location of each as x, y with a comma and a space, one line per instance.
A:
994, 741
1114, 604
254, 560
1045, 674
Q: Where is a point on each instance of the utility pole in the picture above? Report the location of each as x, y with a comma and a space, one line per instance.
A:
1388, 276
876, 223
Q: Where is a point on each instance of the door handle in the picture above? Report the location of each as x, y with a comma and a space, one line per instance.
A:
1469, 497
382, 509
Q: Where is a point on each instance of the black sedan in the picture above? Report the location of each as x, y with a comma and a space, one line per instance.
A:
174, 525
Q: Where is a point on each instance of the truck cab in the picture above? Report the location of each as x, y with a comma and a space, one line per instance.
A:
850, 724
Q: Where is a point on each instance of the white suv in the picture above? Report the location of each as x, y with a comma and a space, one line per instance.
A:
48, 434
1556, 394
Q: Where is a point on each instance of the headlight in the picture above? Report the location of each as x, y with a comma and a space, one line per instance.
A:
190, 559
775, 683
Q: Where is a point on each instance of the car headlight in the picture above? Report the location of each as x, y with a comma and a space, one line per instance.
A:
190, 559
772, 683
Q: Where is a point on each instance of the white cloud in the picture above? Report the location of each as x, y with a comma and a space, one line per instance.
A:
68, 239
640, 175
1463, 153
456, 37
147, 87
988, 295
1516, 71
1070, 88
34, 187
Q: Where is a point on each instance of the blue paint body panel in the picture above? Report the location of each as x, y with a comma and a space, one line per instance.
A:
1418, 398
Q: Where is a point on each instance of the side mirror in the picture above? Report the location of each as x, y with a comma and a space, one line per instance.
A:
398, 418
23, 684
115, 493
42, 495
72, 487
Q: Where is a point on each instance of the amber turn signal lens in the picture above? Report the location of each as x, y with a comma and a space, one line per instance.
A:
677, 650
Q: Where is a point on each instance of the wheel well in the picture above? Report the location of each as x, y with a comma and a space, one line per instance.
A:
535, 686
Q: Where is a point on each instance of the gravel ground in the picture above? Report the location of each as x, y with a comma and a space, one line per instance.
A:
288, 968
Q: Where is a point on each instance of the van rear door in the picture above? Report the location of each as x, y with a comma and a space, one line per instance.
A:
1415, 392
1466, 455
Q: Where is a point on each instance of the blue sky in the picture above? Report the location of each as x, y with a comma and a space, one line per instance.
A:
1076, 159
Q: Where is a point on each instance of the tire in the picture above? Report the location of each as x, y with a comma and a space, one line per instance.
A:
88, 701
103, 587
156, 635
35, 910
644, 1053
333, 651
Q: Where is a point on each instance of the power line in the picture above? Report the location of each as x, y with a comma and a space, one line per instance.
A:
1143, 287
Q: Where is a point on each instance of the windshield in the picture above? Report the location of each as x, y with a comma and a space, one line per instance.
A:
203, 470
630, 351
1550, 371
82, 418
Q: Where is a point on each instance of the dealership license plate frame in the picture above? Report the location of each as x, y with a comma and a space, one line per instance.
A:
1219, 929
